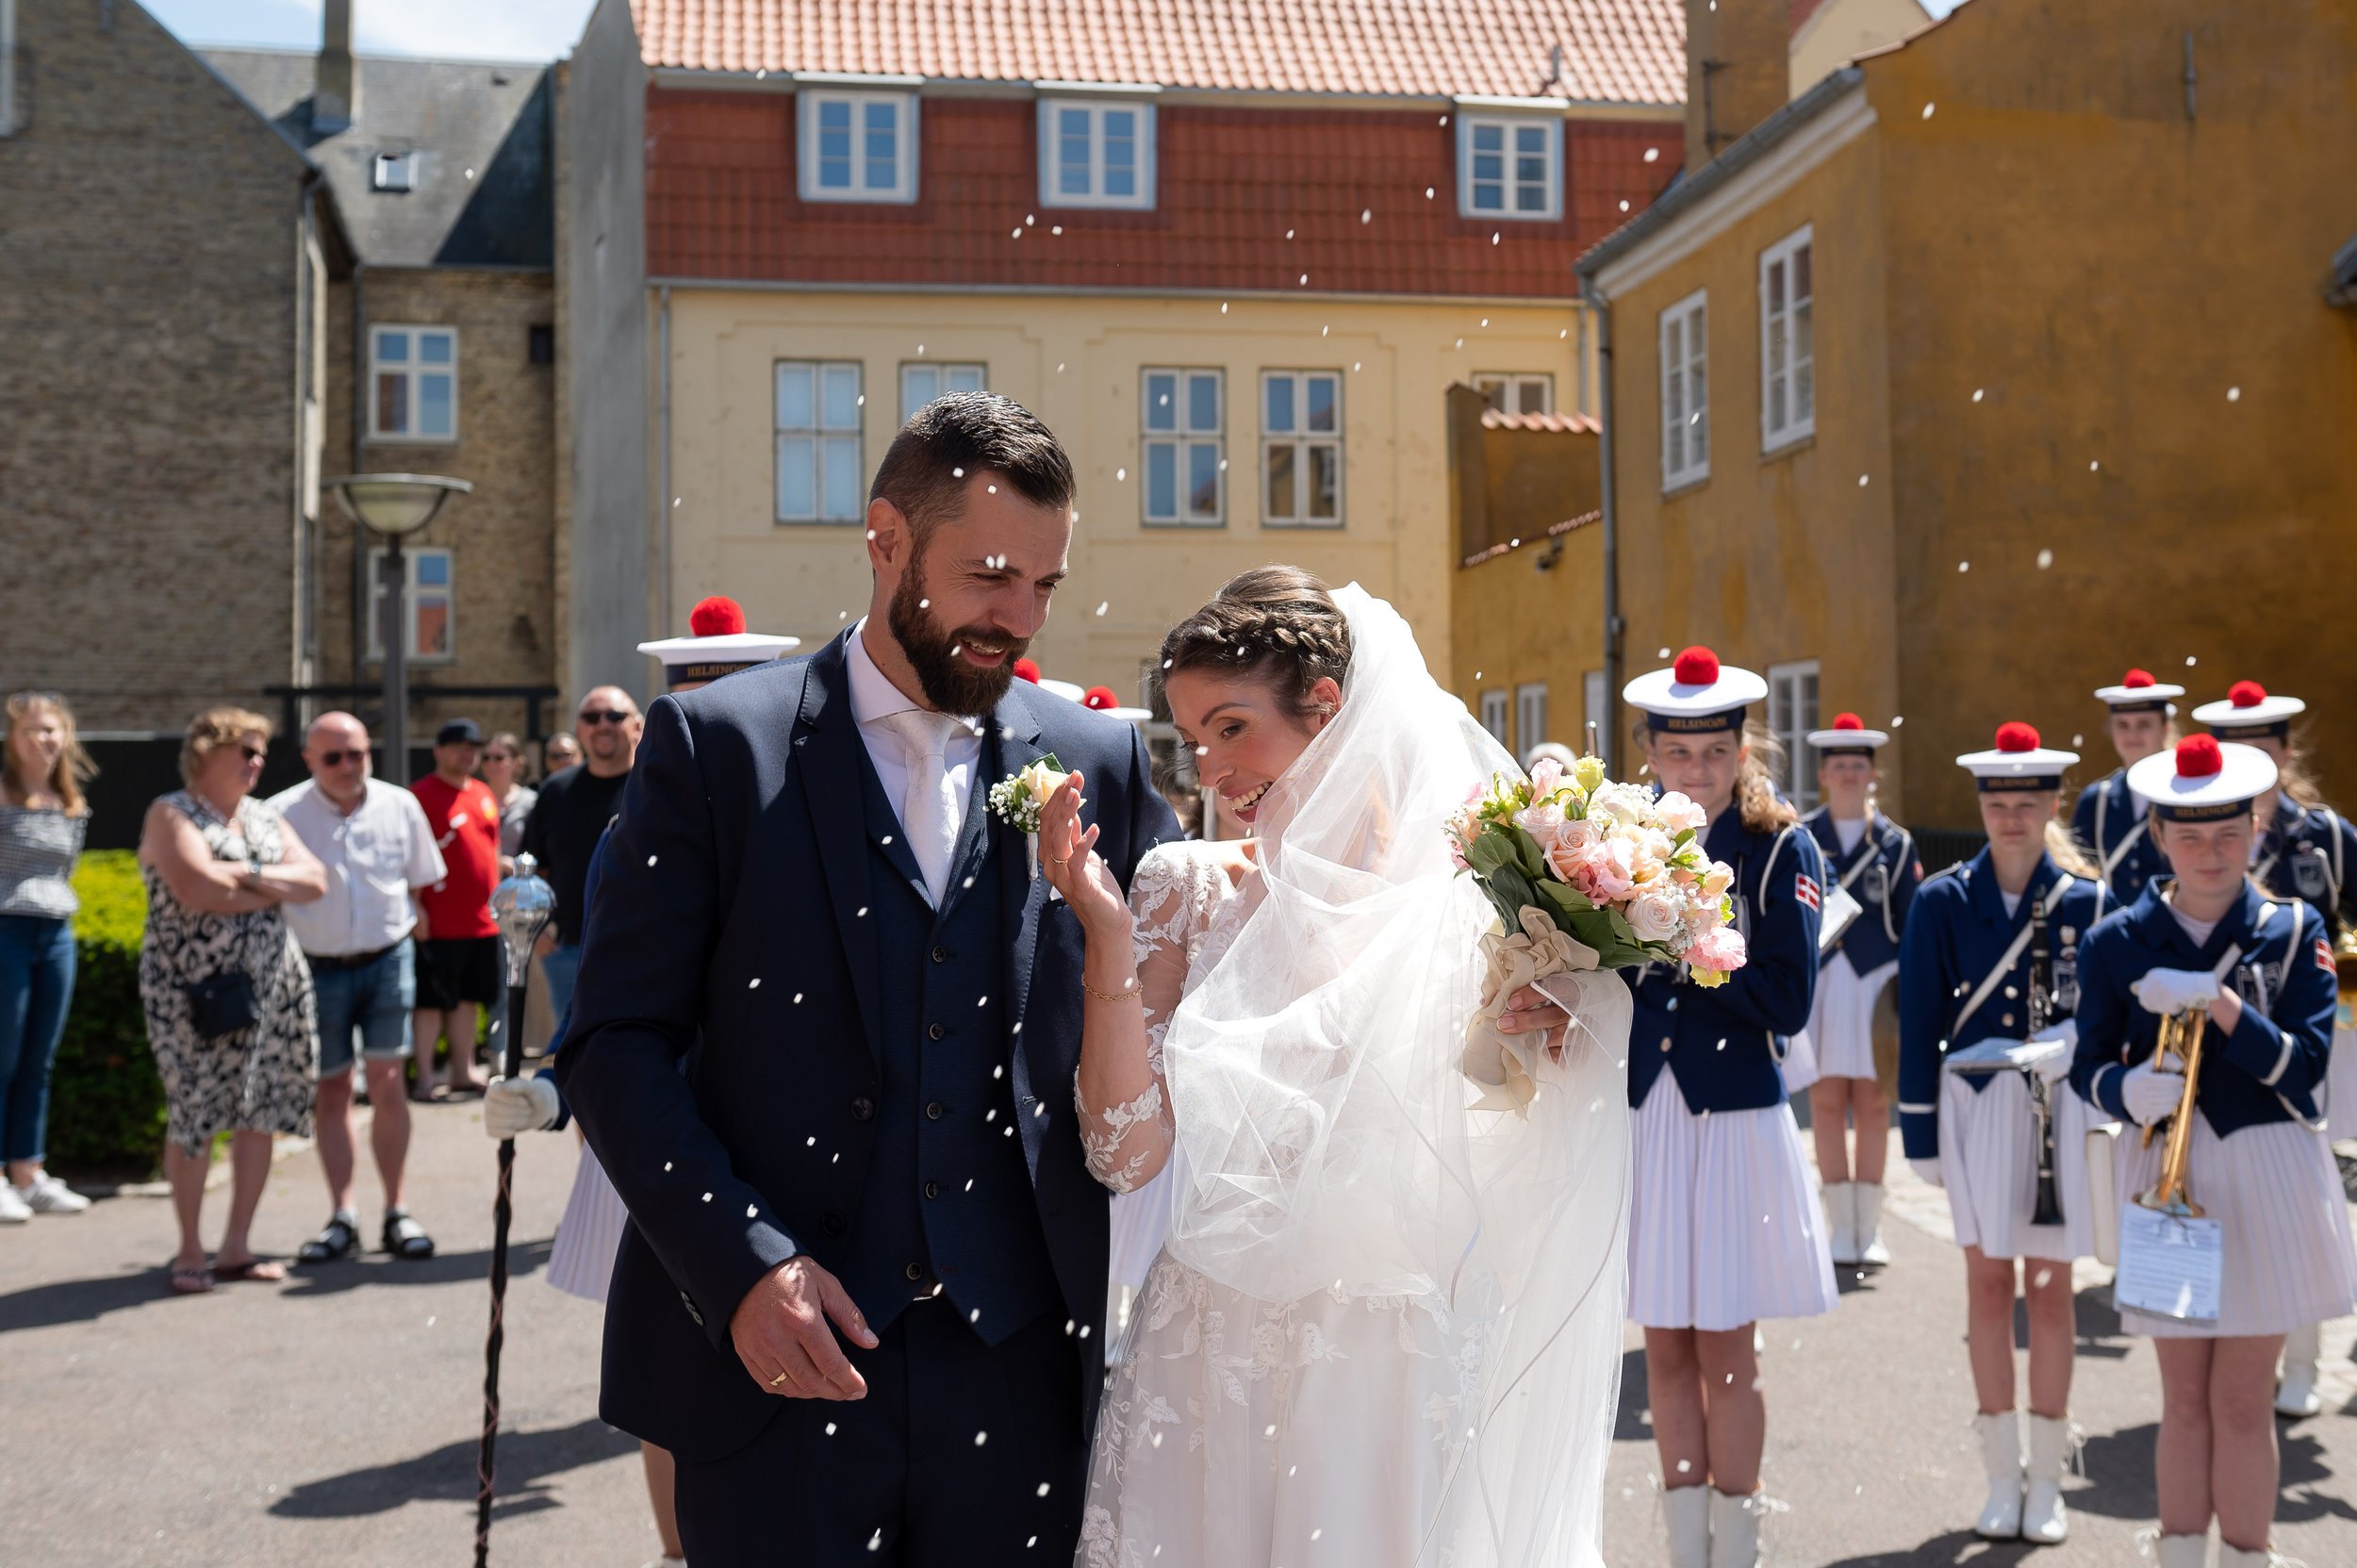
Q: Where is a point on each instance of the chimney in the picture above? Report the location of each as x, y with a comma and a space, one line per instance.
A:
1739, 71
332, 96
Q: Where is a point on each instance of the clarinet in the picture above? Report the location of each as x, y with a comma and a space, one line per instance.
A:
2048, 1210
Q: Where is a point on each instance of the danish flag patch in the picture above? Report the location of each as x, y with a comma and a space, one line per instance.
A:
2324, 956
1807, 891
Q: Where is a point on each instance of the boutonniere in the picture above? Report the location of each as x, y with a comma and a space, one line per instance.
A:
1019, 798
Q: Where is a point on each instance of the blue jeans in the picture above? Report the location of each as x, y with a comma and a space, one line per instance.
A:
374, 1000
35, 982
562, 967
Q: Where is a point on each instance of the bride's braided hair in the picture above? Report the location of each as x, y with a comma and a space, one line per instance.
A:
1276, 624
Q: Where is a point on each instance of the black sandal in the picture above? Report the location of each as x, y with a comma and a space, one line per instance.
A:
404, 1238
339, 1241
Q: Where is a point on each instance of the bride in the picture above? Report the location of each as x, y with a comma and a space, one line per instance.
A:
1385, 1327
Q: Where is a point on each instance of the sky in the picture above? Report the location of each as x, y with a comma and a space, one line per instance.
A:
451, 29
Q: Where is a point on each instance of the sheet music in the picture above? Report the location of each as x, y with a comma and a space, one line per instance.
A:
1998, 1054
1839, 911
2169, 1266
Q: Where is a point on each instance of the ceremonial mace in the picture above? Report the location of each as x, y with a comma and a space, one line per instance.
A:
522, 905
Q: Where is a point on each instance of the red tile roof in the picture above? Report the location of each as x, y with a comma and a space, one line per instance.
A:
1247, 199
1615, 51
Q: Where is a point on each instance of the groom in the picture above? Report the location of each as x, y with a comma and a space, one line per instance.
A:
862, 1292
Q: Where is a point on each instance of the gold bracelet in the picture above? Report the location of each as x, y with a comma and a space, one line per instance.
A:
1132, 994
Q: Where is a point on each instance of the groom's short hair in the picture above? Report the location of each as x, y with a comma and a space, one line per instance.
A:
954, 437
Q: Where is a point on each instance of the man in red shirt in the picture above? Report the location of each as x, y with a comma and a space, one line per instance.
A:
459, 963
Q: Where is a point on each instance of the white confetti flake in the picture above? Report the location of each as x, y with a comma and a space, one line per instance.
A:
875, 1542
810, 1142
1121, 476
1014, 233
1289, 234
2189, 662
1861, 481
2077, 741
429, 1322
924, 604
1366, 215
1428, 192
1976, 393
1042, 1489
1305, 280
707, 1198
998, 1071
2233, 394
1685, 1466
954, 473
992, 488
1102, 607
1897, 720
1964, 566
798, 999
1495, 238
2093, 465
2045, 559
1324, 331
1056, 228
1030, 218
1624, 204
1652, 155
667, 1164
1927, 110
830, 1429
1485, 321
751, 1212
1222, 307
974, 1316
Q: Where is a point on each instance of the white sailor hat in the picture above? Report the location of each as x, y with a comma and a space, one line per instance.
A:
1100, 698
2137, 692
2249, 711
1848, 737
1696, 695
2202, 781
716, 645
2017, 763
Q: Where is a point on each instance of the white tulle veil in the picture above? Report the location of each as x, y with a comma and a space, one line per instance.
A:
1326, 1140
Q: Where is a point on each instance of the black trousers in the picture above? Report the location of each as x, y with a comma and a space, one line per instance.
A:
960, 1455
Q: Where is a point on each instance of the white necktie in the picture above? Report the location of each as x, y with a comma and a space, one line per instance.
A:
930, 807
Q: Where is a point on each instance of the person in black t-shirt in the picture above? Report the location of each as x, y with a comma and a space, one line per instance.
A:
574, 809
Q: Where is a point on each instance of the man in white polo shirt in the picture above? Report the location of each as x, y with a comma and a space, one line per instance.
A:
373, 838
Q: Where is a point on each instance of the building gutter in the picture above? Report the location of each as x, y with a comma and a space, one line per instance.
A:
662, 458
359, 465
1609, 502
1330, 296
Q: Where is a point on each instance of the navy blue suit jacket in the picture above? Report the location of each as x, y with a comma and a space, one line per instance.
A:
1887, 873
731, 928
2108, 812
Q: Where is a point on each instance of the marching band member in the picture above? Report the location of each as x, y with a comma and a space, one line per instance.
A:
2109, 820
2303, 850
1872, 859
1968, 972
2259, 1164
1723, 1226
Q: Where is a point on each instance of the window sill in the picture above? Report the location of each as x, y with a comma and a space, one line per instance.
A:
375, 439
816, 522
1183, 525
1095, 204
1478, 217
1681, 487
1789, 446
860, 198
1304, 526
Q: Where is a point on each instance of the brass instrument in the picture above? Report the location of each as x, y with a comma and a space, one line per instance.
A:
2180, 1044
2048, 1209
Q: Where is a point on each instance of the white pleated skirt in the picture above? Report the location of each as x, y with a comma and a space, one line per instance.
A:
1841, 1021
1725, 1225
2277, 1197
2340, 1096
1988, 1163
580, 1261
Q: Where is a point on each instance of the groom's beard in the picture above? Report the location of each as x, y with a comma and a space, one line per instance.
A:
951, 684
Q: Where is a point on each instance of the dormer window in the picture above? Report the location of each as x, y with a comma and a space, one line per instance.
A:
1509, 166
858, 146
395, 170
1096, 155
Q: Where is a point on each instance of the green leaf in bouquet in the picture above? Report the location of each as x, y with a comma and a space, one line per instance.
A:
1534, 859
1564, 900
1620, 929
1491, 849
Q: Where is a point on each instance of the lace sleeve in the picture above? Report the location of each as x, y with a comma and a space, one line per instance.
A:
1169, 901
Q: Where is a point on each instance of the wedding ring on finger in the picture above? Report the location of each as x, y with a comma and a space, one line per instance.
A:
781, 1378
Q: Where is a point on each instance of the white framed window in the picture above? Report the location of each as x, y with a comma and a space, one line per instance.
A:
1510, 167
1181, 414
433, 603
1516, 392
1494, 716
1096, 155
1686, 391
1791, 714
413, 383
1592, 716
858, 146
1530, 716
394, 171
1788, 341
1301, 448
818, 430
922, 383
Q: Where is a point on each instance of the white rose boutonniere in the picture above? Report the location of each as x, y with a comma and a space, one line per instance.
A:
1018, 798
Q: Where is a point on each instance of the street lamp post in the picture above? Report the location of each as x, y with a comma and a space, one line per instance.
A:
395, 505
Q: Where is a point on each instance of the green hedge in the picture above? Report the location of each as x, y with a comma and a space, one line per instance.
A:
106, 1103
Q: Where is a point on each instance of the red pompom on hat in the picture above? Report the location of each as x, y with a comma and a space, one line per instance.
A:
1696, 666
2245, 694
1100, 698
2198, 757
1848, 722
2136, 678
1027, 669
717, 617
2013, 735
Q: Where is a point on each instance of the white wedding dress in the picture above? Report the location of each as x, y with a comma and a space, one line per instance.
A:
1385, 1327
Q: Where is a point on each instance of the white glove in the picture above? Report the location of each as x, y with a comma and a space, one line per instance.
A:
2166, 991
1927, 1171
2057, 1067
512, 1105
2150, 1096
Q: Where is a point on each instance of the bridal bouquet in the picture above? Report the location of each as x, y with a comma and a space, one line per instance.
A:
1586, 873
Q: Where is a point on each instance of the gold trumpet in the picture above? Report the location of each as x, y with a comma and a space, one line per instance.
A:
2179, 1050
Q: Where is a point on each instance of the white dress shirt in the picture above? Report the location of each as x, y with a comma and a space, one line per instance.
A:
874, 701
375, 858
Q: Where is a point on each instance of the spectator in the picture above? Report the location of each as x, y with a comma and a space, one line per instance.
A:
459, 963
42, 818
557, 753
379, 853
572, 811
229, 1007
503, 771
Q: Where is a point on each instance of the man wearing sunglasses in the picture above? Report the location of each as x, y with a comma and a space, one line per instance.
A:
574, 809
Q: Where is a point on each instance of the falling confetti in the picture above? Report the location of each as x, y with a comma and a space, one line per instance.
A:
1624, 204
1965, 566
1289, 234
1366, 215
1222, 307
754, 985
2233, 394
2045, 559
2189, 662
1304, 279
651, 860
1496, 237
1976, 393
1652, 155
1104, 606
1927, 110
1325, 330
752, 1210
1861, 481
2092, 465
1428, 192
1121, 475
1056, 228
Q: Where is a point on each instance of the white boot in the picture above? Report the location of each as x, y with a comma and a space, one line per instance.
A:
2182, 1551
2001, 1451
1688, 1511
2297, 1395
1871, 1251
1841, 1220
1734, 1531
2235, 1557
2044, 1518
